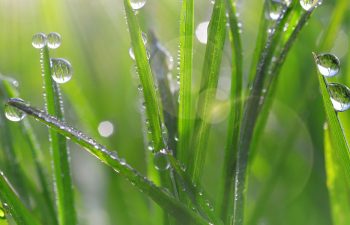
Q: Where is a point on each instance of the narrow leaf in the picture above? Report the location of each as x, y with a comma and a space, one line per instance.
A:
160, 196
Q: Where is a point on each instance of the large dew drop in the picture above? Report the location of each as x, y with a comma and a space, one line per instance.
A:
53, 40
137, 4
105, 128
202, 32
275, 9
14, 114
328, 64
39, 40
309, 4
62, 70
340, 96
161, 161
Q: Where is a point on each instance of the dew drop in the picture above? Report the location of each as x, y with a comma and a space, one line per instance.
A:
309, 4
161, 161
62, 70
53, 40
137, 4
202, 32
328, 64
105, 128
340, 96
2, 213
14, 114
131, 54
275, 9
39, 40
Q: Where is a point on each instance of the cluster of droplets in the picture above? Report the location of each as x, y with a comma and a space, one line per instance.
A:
310, 4
328, 65
61, 69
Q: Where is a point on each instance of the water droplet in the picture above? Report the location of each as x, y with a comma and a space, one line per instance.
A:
53, 40
328, 64
137, 4
275, 9
144, 38
202, 32
161, 161
340, 96
39, 40
13, 113
62, 70
2, 213
309, 4
131, 54
105, 128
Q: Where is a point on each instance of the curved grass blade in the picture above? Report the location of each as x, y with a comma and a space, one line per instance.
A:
29, 136
337, 183
339, 143
160, 196
236, 97
153, 107
185, 123
210, 75
13, 205
59, 150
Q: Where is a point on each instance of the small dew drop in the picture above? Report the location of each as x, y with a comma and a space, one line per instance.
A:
137, 4
340, 96
275, 9
131, 54
309, 4
14, 114
39, 40
53, 40
62, 70
161, 161
105, 128
202, 32
328, 64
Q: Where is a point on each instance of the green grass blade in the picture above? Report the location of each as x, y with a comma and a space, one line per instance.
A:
15, 207
160, 196
185, 123
337, 183
59, 150
29, 136
210, 75
236, 95
153, 107
339, 143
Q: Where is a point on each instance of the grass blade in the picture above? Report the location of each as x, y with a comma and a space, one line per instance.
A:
339, 143
60, 153
210, 75
235, 113
185, 124
337, 183
29, 136
153, 110
15, 207
160, 196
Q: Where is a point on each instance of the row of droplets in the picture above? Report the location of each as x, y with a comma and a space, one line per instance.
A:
329, 66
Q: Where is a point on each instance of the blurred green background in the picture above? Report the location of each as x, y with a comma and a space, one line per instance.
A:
287, 183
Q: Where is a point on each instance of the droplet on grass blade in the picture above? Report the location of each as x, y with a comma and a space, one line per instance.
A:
275, 9
53, 40
340, 96
202, 32
62, 70
309, 4
14, 114
105, 128
327, 64
137, 4
161, 161
39, 40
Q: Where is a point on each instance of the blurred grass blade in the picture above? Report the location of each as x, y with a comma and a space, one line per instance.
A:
185, 122
226, 194
153, 107
13, 205
161, 63
339, 143
337, 183
160, 196
210, 76
29, 136
59, 149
